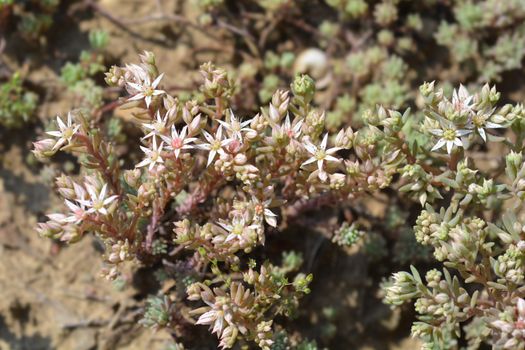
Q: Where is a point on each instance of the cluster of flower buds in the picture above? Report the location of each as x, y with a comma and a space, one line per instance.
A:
239, 311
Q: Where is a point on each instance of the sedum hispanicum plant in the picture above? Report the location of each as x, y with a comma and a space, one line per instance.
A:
220, 180
210, 186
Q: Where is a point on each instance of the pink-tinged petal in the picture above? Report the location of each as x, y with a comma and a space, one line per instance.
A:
323, 176
218, 325
166, 139
143, 163
482, 134
61, 124
223, 123
188, 140
437, 132
450, 144
230, 237
148, 100
208, 136
79, 191
195, 122
177, 153
245, 123
521, 308
268, 212
84, 202
320, 164
54, 133
211, 156
59, 143
157, 81
331, 158
69, 119
225, 226
72, 219
103, 211
149, 135
274, 113
92, 192
135, 86
324, 142
138, 96
75, 129
71, 206
103, 192
491, 125
219, 132
270, 220
110, 199
56, 217
309, 161
207, 317
310, 147
183, 132
462, 132
226, 142
158, 92
463, 92
333, 150
438, 145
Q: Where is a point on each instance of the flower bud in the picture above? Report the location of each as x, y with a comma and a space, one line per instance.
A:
44, 148
303, 86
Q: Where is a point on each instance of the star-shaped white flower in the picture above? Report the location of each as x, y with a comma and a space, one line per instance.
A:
320, 155
66, 133
215, 318
481, 121
97, 203
138, 72
262, 209
157, 127
294, 131
449, 137
237, 229
462, 101
287, 131
234, 127
178, 141
146, 90
214, 145
78, 212
153, 155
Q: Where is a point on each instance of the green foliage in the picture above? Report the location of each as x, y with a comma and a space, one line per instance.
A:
78, 77
158, 312
17, 106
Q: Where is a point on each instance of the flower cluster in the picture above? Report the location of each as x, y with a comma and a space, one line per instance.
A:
219, 178
485, 251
